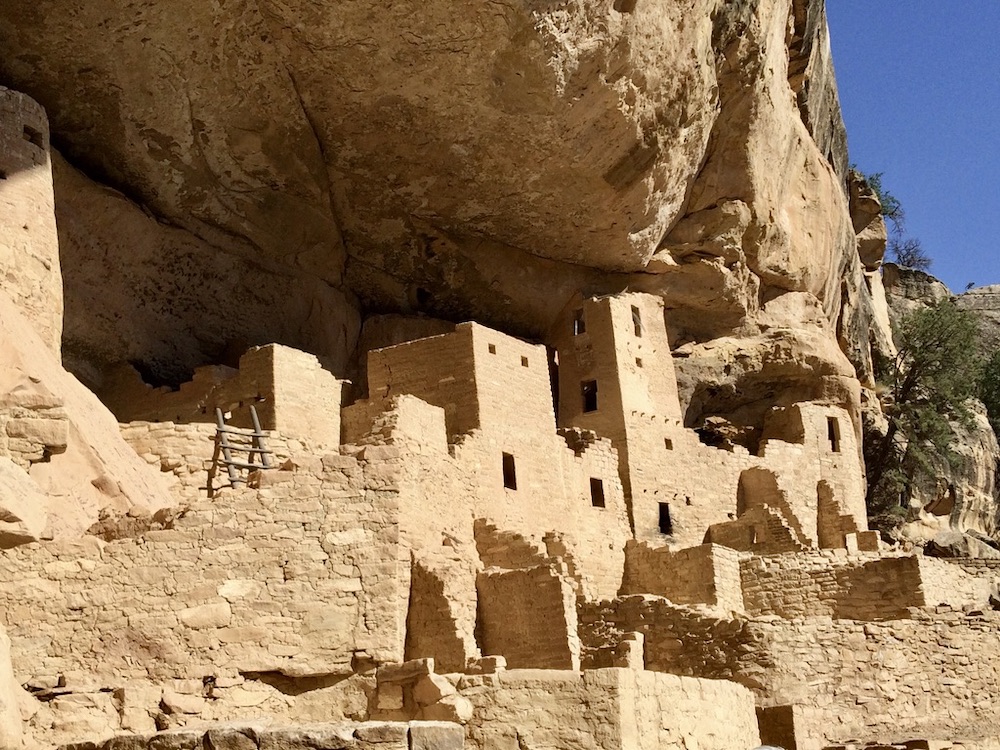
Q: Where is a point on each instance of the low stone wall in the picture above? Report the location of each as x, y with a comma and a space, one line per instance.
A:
185, 452
300, 577
528, 616
678, 639
624, 710
707, 574
860, 586
958, 585
416, 735
291, 392
933, 676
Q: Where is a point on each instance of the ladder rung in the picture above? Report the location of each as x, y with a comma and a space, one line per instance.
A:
242, 464
244, 433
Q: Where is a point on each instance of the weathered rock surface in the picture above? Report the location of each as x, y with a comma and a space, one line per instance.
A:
64, 442
908, 289
985, 303
138, 290
11, 696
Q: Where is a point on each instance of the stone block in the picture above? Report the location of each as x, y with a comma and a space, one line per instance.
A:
431, 688
381, 732
454, 708
406, 671
179, 703
436, 736
52, 433
230, 738
216, 615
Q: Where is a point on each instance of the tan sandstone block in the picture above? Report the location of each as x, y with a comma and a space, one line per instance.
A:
217, 615
52, 433
431, 688
450, 708
436, 736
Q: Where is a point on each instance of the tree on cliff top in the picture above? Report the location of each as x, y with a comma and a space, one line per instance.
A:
906, 251
929, 383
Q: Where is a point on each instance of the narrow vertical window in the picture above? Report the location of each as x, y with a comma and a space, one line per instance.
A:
588, 389
666, 525
579, 324
638, 362
509, 472
493, 348
833, 433
524, 361
597, 493
668, 444
636, 321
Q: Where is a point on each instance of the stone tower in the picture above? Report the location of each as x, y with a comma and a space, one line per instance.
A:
616, 377
29, 245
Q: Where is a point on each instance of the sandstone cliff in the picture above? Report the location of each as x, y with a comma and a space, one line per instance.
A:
279, 167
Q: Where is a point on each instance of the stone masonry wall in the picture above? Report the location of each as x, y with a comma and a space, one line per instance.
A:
529, 617
300, 577
29, 245
289, 389
858, 587
624, 709
184, 451
448, 487
426, 735
707, 574
678, 639
933, 676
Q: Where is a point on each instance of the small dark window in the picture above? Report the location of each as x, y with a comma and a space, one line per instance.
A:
638, 362
666, 525
509, 472
524, 361
597, 493
33, 136
588, 388
636, 321
833, 433
493, 348
668, 444
579, 324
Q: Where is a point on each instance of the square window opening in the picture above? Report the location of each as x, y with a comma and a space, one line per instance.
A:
666, 525
579, 324
833, 433
588, 389
597, 493
33, 136
636, 321
524, 361
509, 472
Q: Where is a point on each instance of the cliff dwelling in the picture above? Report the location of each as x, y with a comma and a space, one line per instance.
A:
377, 377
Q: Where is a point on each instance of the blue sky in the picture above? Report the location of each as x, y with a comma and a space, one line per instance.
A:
920, 88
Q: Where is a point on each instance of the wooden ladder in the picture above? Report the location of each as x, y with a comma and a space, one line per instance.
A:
231, 439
